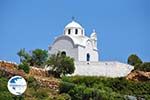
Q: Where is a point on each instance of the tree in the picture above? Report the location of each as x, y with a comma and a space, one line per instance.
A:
24, 66
61, 64
37, 57
24, 56
133, 59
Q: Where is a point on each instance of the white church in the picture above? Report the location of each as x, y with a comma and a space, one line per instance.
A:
74, 43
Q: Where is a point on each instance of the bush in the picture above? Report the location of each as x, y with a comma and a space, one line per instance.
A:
65, 87
33, 83
4, 93
77, 92
105, 88
133, 59
41, 93
92, 93
63, 96
143, 67
6, 96
24, 66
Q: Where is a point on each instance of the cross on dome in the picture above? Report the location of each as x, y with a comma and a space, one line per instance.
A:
73, 18
94, 31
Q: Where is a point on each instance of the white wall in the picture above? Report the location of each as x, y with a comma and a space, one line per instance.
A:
108, 69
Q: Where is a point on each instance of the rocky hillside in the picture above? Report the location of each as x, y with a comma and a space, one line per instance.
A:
139, 76
43, 87
9, 69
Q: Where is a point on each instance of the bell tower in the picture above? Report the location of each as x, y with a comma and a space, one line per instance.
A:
74, 29
94, 39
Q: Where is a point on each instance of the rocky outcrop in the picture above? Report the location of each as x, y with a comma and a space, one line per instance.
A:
139, 76
38, 72
9, 69
43, 78
49, 82
8, 65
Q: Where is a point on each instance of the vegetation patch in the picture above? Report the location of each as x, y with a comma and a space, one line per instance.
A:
102, 88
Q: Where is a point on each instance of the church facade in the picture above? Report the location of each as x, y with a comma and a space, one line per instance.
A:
75, 44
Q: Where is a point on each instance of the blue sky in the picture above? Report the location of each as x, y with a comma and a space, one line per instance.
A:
122, 26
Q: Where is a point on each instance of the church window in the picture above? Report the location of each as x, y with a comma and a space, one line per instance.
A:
63, 53
69, 31
82, 32
76, 31
88, 57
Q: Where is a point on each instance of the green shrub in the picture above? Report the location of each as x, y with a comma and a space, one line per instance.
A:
31, 79
102, 87
106, 88
92, 93
133, 59
33, 83
77, 92
4, 93
24, 66
143, 67
63, 96
3, 84
65, 87
41, 93
118, 84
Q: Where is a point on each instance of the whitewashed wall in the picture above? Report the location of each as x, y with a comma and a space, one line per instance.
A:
108, 69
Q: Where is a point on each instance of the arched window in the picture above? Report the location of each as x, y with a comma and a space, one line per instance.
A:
69, 31
87, 57
76, 31
63, 53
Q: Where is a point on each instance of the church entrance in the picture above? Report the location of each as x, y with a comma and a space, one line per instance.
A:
63, 53
88, 57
